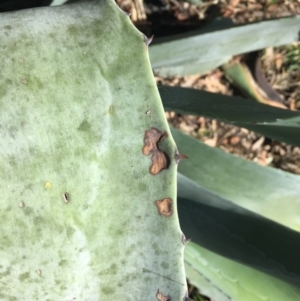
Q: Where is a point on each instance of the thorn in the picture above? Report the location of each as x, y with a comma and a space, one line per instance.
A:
178, 157
186, 297
129, 14
148, 40
185, 240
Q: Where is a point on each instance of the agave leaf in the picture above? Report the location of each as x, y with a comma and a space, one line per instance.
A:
61, 2
205, 286
269, 192
200, 51
236, 233
81, 215
240, 76
279, 124
239, 246
237, 281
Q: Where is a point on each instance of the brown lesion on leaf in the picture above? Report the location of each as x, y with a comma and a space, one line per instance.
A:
161, 297
160, 160
165, 207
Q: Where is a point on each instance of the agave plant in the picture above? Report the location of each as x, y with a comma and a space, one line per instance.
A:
88, 171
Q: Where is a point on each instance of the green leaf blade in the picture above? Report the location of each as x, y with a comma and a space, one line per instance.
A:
239, 282
77, 207
279, 124
200, 51
269, 192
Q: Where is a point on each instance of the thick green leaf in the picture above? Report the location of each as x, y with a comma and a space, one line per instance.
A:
200, 51
269, 192
229, 230
279, 124
77, 209
61, 2
239, 282
205, 286
256, 252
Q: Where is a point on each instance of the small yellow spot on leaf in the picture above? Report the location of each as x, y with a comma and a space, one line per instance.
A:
48, 185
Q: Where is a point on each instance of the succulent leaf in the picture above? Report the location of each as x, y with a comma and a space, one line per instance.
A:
78, 212
279, 124
203, 50
234, 280
269, 192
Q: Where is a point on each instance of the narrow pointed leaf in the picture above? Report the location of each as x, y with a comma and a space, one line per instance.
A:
256, 257
200, 51
239, 282
205, 286
279, 124
240, 76
269, 192
234, 232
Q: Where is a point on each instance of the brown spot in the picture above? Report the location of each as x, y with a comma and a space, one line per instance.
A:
178, 157
159, 162
151, 139
161, 297
24, 81
165, 207
160, 159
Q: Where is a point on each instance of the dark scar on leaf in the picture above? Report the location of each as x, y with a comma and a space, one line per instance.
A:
161, 297
164, 207
160, 160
